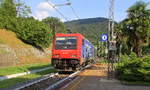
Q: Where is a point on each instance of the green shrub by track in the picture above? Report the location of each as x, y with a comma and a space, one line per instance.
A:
134, 69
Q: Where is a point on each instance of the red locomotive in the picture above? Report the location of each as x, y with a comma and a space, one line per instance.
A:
71, 51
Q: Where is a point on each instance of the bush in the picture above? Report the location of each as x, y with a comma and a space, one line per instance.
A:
132, 68
8, 22
28, 30
34, 32
146, 50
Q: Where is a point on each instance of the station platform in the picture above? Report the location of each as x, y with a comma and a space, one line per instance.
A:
95, 78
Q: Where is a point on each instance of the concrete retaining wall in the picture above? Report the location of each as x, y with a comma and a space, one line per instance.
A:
20, 56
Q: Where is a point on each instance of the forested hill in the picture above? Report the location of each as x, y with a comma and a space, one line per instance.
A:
91, 28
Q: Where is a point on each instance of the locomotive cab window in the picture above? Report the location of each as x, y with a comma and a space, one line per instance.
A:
66, 42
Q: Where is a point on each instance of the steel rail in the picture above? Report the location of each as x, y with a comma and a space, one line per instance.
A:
55, 85
37, 81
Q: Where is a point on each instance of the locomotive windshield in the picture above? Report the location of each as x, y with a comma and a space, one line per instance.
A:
66, 42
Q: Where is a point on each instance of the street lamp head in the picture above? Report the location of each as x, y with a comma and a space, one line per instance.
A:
68, 3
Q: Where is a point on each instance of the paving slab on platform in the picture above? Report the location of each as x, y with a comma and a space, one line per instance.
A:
96, 79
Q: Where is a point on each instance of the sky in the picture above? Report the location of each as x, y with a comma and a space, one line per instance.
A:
84, 9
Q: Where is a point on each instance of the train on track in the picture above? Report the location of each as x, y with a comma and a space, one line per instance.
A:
71, 52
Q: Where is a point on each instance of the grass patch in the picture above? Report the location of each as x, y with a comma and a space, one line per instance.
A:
102, 61
106, 61
24, 68
10, 38
3, 51
14, 81
142, 83
1, 41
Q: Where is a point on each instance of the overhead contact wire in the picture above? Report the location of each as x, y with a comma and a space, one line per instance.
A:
73, 10
57, 10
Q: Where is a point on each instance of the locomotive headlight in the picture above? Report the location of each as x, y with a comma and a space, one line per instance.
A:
74, 56
56, 55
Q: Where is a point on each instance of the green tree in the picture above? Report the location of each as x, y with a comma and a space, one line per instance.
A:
8, 14
8, 8
55, 24
121, 40
34, 32
137, 26
28, 29
22, 9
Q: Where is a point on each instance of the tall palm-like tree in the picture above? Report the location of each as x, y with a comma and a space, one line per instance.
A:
137, 26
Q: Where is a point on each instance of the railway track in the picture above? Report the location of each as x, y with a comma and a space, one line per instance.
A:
51, 82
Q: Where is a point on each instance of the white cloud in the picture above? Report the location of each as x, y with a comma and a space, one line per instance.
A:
63, 20
43, 10
45, 6
41, 15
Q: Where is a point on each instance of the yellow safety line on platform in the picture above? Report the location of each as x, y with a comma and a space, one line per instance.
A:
76, 83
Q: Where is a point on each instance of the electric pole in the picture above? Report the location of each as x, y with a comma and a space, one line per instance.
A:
111, 19
111, 41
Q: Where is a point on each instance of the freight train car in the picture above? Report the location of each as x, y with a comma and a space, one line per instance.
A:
71, 52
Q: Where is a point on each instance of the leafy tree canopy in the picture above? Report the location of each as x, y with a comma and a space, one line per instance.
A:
8, 8
14, 17
34, 32
56, 25
137, 26
22, 9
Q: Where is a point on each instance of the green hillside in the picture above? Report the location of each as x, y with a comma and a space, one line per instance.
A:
91, 28
14, 52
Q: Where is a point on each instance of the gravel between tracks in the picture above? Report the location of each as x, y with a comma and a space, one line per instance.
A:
45, 83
